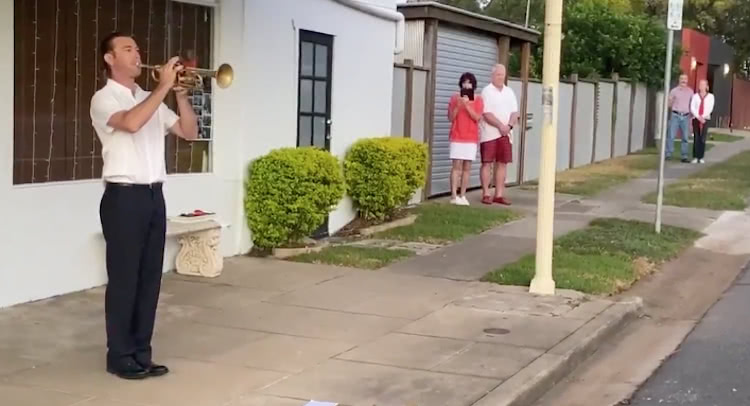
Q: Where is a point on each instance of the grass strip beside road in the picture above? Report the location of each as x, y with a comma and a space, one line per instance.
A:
722, 137
722, 186
440, 223
595, 178
607, 257
354, 256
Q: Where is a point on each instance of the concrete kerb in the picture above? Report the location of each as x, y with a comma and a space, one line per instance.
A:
533, 381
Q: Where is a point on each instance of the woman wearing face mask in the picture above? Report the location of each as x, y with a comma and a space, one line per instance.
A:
464, 112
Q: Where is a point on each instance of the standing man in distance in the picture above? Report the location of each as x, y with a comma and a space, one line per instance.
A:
131, 124
679, 102
496, 130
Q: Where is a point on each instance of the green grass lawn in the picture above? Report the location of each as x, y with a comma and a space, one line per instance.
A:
440, 223
354, 256
605, 258
723, 186
721, 137
593, 179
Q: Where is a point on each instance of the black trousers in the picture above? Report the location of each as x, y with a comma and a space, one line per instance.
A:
133, 219
699, 139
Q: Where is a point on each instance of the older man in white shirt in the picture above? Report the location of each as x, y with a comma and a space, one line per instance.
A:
131, 124
701, 107
496, 132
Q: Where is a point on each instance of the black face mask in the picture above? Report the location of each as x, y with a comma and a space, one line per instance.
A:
467, 92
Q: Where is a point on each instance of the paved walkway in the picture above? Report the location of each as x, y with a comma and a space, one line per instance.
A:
275, 333
270, 332
475, 256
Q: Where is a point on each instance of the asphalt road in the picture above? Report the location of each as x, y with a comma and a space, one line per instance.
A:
712, 366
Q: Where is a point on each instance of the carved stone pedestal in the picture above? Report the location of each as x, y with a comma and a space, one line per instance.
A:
199, 252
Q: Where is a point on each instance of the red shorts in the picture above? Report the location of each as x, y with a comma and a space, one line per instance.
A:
498, 150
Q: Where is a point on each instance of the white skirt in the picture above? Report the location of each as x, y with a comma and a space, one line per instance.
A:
463, 151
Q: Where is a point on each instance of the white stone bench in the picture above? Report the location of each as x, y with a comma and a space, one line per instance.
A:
199, 240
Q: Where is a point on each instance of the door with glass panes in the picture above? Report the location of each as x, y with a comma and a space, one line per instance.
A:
314, 96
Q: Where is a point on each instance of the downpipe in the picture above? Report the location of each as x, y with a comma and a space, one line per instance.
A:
384, 13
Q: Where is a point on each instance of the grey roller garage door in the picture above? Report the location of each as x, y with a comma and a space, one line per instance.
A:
457, 52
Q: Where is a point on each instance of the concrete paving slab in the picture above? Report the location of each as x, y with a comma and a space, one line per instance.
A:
110, 402
468, 260
519, 303
11, 362
303, 322
526, 228
190, 382
670, 216
200, 342
277, 352
30, 396
728, 234
218, 296
269, 274
356, 384
265, 400
377, 293
489, 360
407, 351
469, 324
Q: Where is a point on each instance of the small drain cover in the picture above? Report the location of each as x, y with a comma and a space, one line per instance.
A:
496, 331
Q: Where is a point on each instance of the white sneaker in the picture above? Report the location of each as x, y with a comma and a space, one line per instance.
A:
463, 201
694, 161
702, 161
456, 201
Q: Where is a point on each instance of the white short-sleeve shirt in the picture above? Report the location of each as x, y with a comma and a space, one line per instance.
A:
130, 157
500, 102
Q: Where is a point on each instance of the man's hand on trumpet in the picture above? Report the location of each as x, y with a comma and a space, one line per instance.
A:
168, 75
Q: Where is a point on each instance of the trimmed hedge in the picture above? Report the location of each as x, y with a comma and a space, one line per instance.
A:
289, 192
382, 174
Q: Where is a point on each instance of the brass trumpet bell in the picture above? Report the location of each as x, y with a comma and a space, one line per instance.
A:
192, 78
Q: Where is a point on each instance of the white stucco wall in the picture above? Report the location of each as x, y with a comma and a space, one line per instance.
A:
362, 77
51, 241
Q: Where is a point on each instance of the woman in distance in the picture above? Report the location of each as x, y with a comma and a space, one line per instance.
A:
464, 112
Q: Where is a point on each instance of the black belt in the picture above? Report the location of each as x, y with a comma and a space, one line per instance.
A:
151, 186
681, 114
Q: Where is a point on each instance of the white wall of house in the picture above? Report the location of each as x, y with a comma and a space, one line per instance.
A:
362, 77
50, 235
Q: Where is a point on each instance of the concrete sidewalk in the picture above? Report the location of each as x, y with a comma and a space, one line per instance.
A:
477, 255
266, 332
276, 333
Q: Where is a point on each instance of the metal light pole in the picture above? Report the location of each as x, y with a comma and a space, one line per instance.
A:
528, 8
674, 23
543, 283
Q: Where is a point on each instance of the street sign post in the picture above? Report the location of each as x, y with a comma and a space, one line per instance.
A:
674, 23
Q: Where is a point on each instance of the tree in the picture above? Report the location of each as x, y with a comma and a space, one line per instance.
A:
736, 31
470, 5
599, 41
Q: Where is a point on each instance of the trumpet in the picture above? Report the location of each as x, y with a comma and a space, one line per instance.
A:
192, 78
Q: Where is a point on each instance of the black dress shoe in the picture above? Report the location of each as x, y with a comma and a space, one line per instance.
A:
128, 370
155, 369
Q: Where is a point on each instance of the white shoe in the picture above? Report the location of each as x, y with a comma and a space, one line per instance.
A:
463, 201
456, 201
702, 161
694, 161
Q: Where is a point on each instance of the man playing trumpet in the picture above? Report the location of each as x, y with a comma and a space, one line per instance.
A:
131, 124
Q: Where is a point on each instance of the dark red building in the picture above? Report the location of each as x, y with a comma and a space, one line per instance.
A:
695, 55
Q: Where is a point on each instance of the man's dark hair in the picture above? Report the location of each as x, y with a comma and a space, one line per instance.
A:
470, 77
106, 46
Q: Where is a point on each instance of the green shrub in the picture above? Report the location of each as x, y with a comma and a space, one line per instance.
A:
289, 192
382, 174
